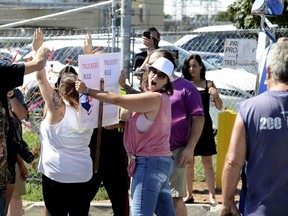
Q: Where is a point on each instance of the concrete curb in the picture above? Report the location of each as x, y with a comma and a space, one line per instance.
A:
105, 209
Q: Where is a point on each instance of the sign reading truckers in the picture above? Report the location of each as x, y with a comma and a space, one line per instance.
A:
91, 69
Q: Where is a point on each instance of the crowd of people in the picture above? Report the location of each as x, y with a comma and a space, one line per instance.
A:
163, 126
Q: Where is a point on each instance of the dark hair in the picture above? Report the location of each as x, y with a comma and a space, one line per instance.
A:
68, 69
154, 29
167, 54
66, 86
185, 68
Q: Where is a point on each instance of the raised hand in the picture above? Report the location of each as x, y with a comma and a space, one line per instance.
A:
38, 39
87, 48
80, 86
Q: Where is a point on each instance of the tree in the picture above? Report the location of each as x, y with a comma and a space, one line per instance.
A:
239, 13
222, 16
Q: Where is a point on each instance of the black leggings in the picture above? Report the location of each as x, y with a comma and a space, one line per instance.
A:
63, 198
112, 170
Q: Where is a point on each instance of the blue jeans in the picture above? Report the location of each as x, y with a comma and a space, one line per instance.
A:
2, 204
150, 190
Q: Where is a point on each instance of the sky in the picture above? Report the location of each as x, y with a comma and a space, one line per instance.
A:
169, 6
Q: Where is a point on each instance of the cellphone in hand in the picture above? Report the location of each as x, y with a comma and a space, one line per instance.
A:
147, 34
175, 54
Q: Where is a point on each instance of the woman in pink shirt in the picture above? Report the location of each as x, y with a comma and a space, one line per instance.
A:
146, 138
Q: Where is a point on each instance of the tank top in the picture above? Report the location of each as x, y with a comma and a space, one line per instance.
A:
265, 122
154, 141
65, 153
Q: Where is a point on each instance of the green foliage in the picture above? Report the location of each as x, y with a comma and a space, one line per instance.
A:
199, 172
239, 13
33, 192
31, 138
101, 194
222, 17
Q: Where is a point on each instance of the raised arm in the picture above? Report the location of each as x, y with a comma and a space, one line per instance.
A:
213, 92
38, 38
148, 103
41, 53
53, 102
127, 88
87, 48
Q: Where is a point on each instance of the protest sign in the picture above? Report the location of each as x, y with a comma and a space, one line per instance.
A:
240, 53
91, 69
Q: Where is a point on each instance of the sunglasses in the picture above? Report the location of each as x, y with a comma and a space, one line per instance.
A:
160, 74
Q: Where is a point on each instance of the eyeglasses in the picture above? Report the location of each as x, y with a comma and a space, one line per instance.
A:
160, 74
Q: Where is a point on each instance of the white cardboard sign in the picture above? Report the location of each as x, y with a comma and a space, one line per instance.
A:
91, 69
240, 53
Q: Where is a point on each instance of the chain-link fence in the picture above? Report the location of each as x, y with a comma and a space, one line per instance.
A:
233, 85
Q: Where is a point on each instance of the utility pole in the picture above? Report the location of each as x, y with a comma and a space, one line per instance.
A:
126, 12
113, 26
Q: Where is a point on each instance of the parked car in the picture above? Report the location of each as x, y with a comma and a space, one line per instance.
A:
214, 59
206, 42
209, 41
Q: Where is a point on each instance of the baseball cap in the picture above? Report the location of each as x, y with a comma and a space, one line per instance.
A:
164, 65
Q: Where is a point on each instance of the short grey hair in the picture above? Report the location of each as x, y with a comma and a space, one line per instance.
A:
277, 61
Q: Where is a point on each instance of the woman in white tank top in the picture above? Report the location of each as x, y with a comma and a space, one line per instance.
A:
65, 160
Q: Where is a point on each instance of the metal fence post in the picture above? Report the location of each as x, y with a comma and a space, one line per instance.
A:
126, 12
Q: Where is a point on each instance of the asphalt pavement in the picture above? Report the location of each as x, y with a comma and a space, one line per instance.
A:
105, 209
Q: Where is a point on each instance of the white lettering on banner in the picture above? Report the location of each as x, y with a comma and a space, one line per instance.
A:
269, 123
